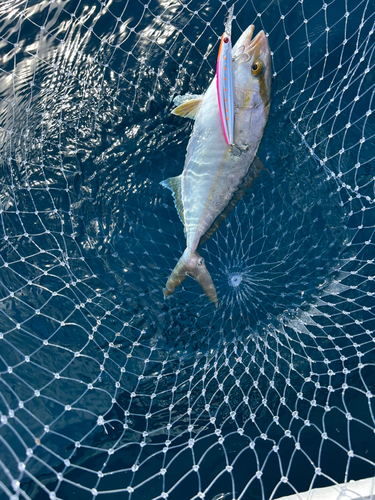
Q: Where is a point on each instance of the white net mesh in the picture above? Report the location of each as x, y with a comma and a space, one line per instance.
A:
105, 388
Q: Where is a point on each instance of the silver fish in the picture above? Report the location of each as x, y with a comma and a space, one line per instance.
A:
216, 174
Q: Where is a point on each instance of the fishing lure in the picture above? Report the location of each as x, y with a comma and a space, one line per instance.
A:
224, 81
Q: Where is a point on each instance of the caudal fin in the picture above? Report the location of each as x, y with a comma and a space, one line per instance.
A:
191, 263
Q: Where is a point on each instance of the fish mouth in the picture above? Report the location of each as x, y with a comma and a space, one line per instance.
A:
250, 46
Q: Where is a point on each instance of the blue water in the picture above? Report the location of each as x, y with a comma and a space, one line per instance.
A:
89, 237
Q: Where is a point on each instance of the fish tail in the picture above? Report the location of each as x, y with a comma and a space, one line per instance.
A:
192, 264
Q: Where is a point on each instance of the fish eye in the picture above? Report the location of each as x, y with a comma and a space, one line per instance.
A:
200, 262
226, 39
257, 68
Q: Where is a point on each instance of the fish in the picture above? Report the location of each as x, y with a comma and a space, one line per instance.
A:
217, 174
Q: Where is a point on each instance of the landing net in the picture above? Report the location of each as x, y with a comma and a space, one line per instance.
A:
106, 389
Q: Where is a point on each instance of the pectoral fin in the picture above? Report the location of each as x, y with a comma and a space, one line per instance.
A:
187, 105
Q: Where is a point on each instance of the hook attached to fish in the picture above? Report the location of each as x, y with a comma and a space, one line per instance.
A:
224, 81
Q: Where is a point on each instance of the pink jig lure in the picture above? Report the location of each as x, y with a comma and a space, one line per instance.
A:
224, 81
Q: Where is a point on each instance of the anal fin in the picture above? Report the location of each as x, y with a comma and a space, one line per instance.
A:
174, 184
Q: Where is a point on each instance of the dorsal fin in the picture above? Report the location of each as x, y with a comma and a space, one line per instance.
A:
174, 184
187, 105
254, 171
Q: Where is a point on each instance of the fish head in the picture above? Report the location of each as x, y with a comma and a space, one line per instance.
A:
252, 74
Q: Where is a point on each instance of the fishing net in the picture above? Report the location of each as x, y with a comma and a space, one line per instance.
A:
108, 390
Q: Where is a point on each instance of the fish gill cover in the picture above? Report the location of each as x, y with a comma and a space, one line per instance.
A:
108, 390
